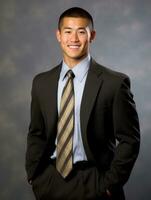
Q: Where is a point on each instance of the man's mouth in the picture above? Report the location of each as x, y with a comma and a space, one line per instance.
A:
74, 46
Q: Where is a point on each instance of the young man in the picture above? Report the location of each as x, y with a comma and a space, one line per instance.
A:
79, 110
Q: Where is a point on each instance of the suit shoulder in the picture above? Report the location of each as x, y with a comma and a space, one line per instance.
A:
114, 74
111, 74
112, 78
43, 76
116, 78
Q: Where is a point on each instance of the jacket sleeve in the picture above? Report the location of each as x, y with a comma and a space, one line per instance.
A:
36, 139
127, 134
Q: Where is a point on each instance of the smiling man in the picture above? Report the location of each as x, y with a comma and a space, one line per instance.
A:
75, 35
79, 110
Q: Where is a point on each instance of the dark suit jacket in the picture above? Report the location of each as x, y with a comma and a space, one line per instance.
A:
108, 115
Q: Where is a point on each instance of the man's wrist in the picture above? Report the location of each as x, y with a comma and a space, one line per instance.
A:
30, 182
108, 193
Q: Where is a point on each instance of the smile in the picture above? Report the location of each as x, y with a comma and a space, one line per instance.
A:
73, 46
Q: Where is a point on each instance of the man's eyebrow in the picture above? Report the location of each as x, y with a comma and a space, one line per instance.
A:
82, 28
77, 28
67, 28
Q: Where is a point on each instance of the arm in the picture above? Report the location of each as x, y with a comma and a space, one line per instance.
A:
126, 130
36, 139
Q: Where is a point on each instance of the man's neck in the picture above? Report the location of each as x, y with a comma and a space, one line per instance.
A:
71, 63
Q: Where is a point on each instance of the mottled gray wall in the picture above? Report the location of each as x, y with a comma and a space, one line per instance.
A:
28, 46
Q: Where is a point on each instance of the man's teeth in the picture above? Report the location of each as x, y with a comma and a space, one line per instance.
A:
74, 46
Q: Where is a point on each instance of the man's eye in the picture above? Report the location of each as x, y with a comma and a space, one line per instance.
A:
67, 31
82, 32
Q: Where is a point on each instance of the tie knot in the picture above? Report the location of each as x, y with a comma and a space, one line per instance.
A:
70, 74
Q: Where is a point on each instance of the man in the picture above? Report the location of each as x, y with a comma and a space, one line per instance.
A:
84, 135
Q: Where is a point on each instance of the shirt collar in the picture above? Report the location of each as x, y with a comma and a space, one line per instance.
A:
79, 70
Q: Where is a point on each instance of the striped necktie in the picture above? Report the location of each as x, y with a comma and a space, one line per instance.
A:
64, 159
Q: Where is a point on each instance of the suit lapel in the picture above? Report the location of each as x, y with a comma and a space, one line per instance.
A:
51, 103
92, 86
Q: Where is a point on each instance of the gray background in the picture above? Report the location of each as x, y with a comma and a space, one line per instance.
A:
28, 46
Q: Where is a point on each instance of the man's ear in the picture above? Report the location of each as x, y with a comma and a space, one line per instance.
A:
58, 35
93, 34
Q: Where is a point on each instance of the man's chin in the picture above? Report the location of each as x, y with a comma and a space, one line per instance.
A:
79, 57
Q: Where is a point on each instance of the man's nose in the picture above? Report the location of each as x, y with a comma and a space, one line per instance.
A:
74, 37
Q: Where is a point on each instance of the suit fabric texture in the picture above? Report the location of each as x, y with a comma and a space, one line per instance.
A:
110, 134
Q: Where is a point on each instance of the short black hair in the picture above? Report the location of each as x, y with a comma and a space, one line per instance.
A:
76, 12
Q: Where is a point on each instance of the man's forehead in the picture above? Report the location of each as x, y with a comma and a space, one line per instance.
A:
75, 23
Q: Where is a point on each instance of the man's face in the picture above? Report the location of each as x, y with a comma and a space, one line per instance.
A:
74, 37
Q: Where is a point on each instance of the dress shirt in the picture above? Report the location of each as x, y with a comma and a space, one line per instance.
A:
80, 71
